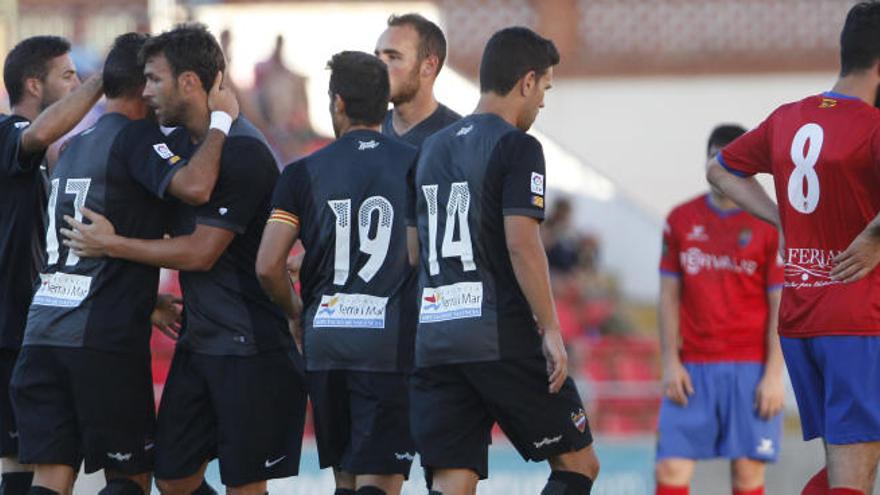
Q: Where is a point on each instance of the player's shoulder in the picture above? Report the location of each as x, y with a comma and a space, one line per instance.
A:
447, 115
687, 209
245, 137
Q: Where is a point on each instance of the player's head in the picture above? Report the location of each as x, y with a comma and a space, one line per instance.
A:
414, 49
180, 66
123, 70
359, 90
860, 39
518, 65
39, 69
721, 136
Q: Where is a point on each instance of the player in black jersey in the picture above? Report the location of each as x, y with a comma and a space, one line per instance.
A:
488, 346
82, 387
347, 204
235, 389
414, 49
47, 102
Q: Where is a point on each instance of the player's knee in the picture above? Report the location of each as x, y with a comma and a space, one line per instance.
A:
584, 462
121, 486
672, 472
747, 474
184, 486
370, 490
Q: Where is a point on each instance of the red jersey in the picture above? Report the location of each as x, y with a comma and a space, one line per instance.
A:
727, 262
824, 154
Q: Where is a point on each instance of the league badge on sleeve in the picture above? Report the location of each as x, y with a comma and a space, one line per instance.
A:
537, 183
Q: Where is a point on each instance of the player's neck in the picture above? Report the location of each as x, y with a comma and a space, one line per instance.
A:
721, 202
360, 127
197, 124
134, 110
27, 108
407, 115
857, 85
492, 103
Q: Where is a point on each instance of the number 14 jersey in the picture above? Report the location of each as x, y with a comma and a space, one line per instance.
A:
471, 175
824, 155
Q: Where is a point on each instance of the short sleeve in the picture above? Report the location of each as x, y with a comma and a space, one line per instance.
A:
670, 260
148, 157
11, 160
241, 188
749, 154
523, 179
775, 269
287, 199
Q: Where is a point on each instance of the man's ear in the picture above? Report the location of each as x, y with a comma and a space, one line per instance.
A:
430, 66
528, 83
33, 87
188, 82
338, 104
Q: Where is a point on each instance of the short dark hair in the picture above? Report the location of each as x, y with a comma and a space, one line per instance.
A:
431, 39
512, 53
30, 58
123, 69
860, 38
188, 47
361, 80
724, 134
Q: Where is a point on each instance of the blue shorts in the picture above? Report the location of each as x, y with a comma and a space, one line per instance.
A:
720, 419
836, 381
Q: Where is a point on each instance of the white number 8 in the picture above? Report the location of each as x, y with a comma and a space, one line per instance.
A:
804, 168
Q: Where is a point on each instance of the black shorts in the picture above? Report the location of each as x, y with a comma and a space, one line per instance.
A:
454, 408
8, 426
247, 411
362, 421
76, 404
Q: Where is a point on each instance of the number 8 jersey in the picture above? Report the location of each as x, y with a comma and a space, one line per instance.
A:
469, 177
824, 155
349, 200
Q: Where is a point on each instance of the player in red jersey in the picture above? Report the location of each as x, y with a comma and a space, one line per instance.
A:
719, 298
824, 155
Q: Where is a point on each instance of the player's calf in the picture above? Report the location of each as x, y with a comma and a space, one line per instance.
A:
673, 476
257, 488
57, 478
572, 473
853, 466
454, 482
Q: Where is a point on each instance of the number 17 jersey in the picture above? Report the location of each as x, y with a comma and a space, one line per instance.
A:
824, 155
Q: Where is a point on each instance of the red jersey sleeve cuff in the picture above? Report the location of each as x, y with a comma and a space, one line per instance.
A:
738, 173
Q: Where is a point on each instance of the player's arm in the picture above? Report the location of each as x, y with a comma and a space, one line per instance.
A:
676, 380
279, 236
744, 191
529, 260
194, 182
195, 252
770, 394
61, 117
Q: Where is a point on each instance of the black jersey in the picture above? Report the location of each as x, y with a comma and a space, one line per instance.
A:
468, 178
441, 118
350, 200
119, 168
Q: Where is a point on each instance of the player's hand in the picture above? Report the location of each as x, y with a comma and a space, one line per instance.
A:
297, 331
166, 315
677, 383
769, 396
859, 259
294, 263
88, 240
222, 98
557, 358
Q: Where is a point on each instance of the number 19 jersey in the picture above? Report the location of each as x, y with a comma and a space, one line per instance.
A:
469, 176
349, 200
824, 155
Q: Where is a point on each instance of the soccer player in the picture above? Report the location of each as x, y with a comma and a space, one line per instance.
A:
414, 49
82, 387
347, 202
235, 389
486, 310
823, 152
719, 300
47, 101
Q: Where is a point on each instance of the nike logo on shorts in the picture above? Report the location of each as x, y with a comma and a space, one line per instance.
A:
276, 461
